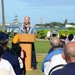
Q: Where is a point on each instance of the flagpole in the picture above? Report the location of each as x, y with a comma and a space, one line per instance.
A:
3, 16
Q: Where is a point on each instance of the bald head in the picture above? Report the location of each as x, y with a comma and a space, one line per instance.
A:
55, 42
69, 49
27, 19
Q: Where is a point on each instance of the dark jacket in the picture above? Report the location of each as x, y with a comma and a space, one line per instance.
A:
68, 69
13, 59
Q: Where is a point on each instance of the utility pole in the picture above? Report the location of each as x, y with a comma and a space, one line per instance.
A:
3, 16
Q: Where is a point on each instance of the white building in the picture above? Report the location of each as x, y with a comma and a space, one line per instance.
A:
69, 25
13, 26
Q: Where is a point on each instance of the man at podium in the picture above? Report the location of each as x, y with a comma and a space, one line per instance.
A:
27, 28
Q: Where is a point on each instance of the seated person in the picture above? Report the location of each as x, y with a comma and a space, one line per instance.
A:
18, 51
71, 37
62, 39
57, 50
5, 67
69, 56
8, 54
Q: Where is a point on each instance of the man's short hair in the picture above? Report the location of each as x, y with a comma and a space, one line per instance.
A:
3, 38
70, 37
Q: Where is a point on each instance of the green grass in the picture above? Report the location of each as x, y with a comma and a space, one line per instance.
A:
37, 71
42, 46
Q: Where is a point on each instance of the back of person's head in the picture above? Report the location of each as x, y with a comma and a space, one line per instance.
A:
15, 39
16, 49
69, 52
70, 37
55, 42
1, 51
54, 33
4, 39
15, 45
62, 39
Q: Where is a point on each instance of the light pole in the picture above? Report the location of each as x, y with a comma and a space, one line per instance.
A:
3, 16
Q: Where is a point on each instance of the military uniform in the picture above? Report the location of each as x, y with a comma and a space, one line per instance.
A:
68, 69
12, 58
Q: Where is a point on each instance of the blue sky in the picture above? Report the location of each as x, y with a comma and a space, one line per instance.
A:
49, 10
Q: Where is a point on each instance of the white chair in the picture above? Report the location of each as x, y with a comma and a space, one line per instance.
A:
55, 63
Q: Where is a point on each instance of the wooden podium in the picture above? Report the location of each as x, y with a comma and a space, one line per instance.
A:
26, 45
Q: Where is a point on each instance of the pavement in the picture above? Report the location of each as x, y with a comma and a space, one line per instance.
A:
41, 39
42, 54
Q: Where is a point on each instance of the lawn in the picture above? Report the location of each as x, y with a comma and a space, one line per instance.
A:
37, 71
42, 46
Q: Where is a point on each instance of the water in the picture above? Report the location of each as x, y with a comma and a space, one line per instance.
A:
13, 27
41, 28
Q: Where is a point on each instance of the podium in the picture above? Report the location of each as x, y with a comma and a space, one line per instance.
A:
26, 45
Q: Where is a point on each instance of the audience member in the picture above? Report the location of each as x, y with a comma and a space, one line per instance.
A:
69, 56
71, 37
54, 33
46, 67
5, 66
18, 51
8, 55
49, 34
62, 40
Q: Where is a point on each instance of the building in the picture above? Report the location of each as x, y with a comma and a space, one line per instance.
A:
40, 20
13, 26
69, 25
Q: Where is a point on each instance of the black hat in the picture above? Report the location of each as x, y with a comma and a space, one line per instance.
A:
63, 36
70, 37
3, 36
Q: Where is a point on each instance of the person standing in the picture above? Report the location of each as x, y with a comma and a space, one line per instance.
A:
27, 28
49, 34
